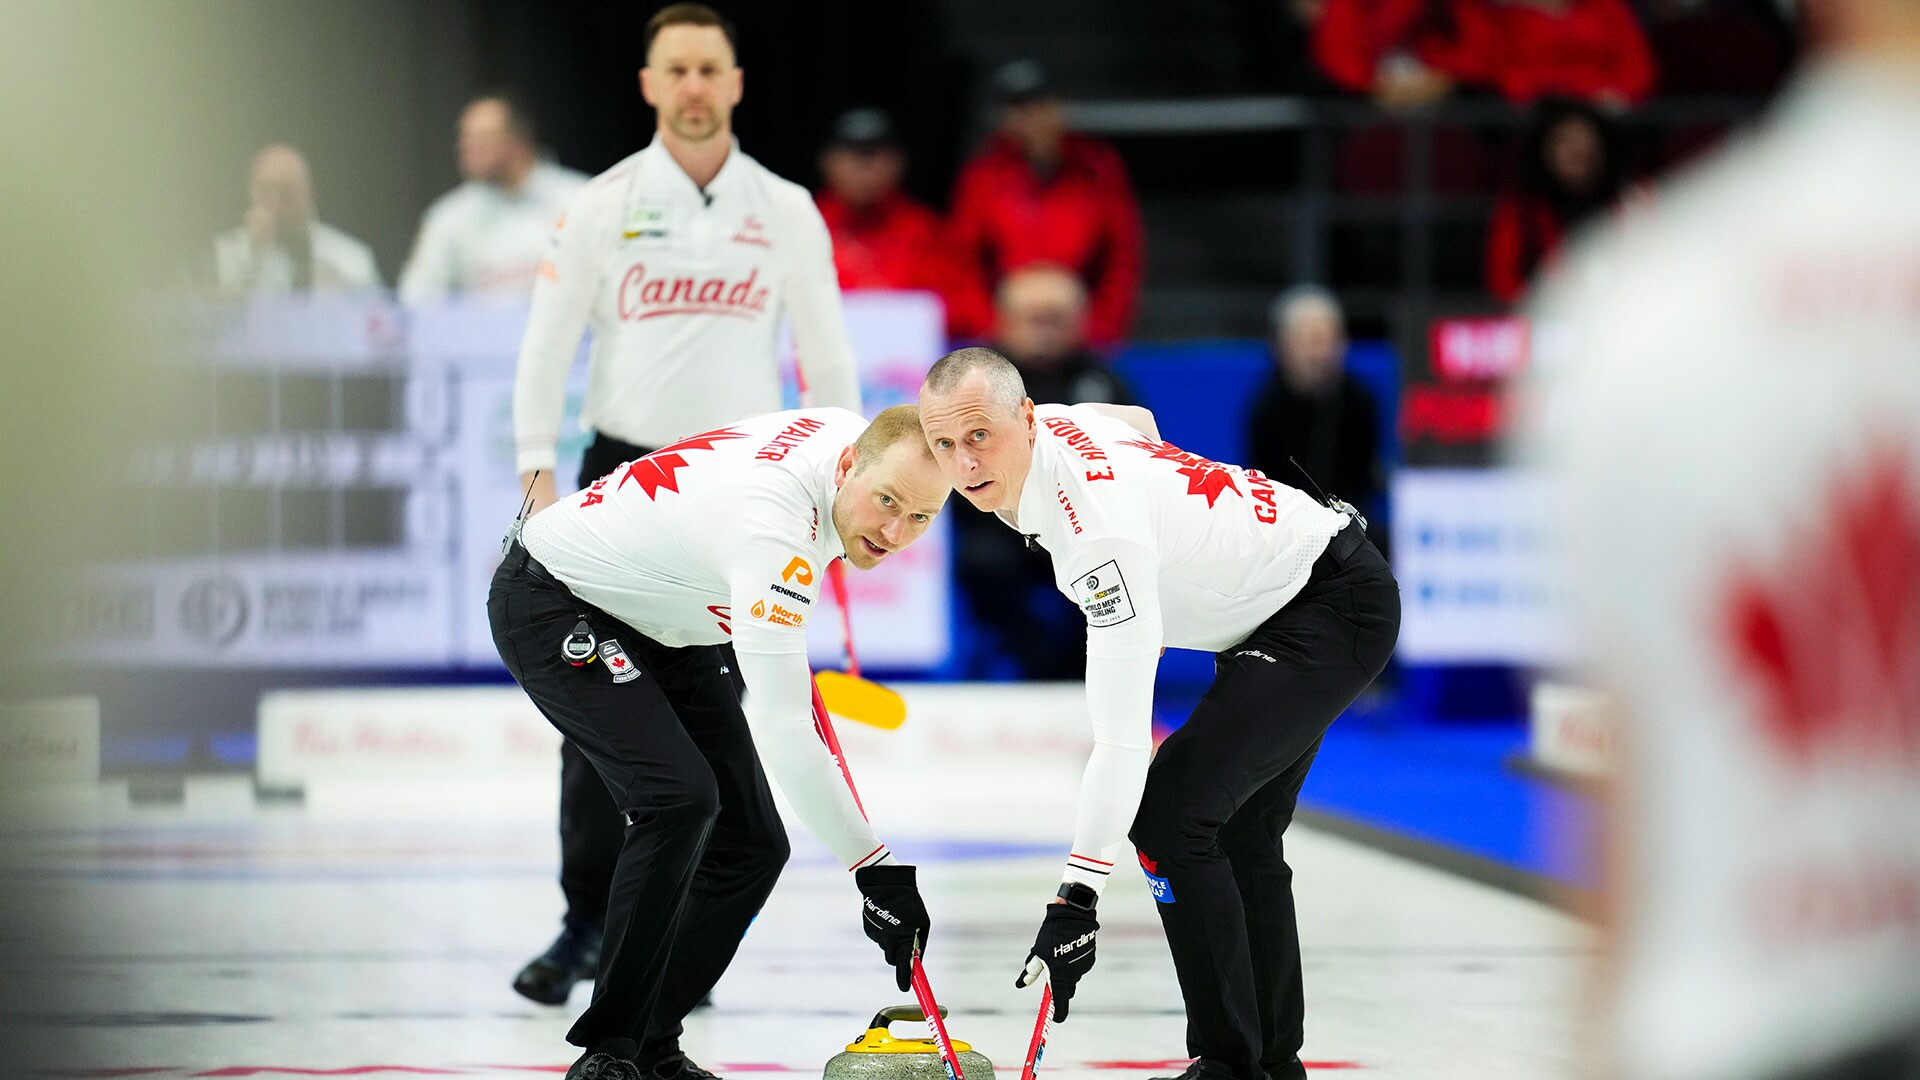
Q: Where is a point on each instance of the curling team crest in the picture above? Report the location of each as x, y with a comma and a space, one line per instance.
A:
615, 657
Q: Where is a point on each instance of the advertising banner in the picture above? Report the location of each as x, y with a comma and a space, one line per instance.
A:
1477, 582
362, 475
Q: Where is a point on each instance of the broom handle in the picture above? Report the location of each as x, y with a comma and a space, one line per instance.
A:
923, 990
1040, 1024
837, 582
823, 727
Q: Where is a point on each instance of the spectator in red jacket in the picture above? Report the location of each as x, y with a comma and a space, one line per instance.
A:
1568, 170
1039, 193
883, 238
1403, 52
1411, 52
1593, 50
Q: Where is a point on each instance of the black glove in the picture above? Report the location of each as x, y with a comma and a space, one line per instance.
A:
893, 915
1065, 946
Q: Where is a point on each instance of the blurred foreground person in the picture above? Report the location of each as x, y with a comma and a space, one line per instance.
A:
610, 610
282, 246
1734, 429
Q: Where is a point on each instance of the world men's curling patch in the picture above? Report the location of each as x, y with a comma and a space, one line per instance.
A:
615, 657
1103, 595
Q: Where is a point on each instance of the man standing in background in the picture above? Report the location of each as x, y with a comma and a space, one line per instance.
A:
490, 233
683, 258
283, 247
1729, 424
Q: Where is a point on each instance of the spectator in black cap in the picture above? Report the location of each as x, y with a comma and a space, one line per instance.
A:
1038, 193
882, 238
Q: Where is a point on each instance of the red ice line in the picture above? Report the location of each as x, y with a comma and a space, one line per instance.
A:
466, 1070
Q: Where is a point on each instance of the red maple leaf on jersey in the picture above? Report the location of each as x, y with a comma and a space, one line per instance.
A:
1204, 477
1833, 641
656, 470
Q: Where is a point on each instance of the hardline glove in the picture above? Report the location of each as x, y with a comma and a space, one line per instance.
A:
893, 916
1064, 950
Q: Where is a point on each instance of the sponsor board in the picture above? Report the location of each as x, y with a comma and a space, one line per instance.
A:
49, 741
1476, 566
448, 451
305, 611
1572, 729
414, 734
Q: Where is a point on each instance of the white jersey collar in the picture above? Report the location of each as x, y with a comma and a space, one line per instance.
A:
722, 180
1034, 497
824, 491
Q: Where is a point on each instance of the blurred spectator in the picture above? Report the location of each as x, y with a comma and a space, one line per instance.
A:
883, 238
1569, 168
1041, 325
490, 233
1009, 587
1413, 52
1313, 410
1039, 193
1403, 52
282, 247
1593, 50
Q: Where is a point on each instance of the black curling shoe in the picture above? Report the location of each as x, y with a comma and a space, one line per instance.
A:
549, 977
679, 1067
1202, 1069
612, 1060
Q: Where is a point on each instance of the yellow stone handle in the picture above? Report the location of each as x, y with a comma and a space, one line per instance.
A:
879, 1040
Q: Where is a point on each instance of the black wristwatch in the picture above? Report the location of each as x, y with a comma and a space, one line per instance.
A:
1078, 895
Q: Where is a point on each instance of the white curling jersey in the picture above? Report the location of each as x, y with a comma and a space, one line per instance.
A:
1157, 546
685, 290
721, 536
1733, 424
480, 238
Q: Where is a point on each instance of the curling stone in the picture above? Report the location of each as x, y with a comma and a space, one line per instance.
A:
878, 1055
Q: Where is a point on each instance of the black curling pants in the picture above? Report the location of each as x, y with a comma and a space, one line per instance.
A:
701, 842
1221, 793
591, 830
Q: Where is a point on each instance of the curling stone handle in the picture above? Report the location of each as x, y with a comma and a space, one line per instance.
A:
894, 1014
